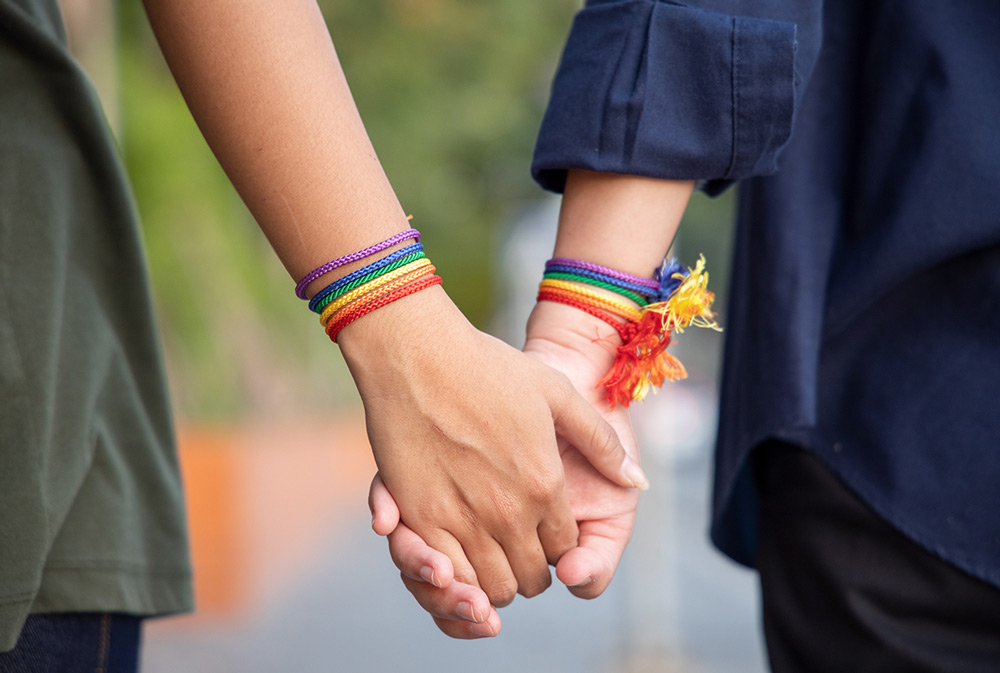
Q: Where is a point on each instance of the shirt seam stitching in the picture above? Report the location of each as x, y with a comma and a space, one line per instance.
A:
19, 598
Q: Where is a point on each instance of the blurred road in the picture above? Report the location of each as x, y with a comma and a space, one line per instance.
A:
335, 603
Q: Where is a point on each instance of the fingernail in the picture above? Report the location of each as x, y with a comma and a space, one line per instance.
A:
464, 611
482, 630
634, 474
584, 583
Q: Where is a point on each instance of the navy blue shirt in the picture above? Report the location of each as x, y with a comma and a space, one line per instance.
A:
864, 320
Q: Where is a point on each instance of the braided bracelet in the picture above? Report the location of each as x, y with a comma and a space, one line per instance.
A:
324, 269
641, 361
379, 286
589, 279
334, 327
585, 295
597, 268
396, 275
390, 261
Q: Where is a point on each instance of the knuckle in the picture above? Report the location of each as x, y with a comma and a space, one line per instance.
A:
565, 391
466, 575
465, 516
545, 484
604, 440
502, 593
536, 586
399, 553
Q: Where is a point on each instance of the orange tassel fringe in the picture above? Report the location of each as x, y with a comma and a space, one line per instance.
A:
642, 361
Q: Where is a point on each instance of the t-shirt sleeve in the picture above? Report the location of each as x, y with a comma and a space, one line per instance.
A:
654, 88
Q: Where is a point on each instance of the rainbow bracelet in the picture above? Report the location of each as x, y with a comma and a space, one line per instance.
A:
641, 360
398, 274
300, 287
589, 279
395, 278
334, 327
603, 270
409, 253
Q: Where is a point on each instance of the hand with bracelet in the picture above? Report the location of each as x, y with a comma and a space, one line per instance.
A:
485, 412
604, 217
463, 427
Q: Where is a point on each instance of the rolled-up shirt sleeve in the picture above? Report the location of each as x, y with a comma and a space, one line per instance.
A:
654, 88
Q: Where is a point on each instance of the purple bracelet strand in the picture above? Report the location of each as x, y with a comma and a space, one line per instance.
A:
300, 289
653, 285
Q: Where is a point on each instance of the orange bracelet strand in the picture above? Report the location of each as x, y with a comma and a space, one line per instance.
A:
334, 327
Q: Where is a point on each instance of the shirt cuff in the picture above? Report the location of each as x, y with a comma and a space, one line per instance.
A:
654, 88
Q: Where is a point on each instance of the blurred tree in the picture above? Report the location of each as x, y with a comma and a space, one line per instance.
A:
451, 92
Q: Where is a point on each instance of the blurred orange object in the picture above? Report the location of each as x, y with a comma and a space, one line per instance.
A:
263, 498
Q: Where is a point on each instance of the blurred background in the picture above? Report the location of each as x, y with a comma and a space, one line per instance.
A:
289, 575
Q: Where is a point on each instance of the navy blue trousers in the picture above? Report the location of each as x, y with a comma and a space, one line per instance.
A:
844, 591
76, 643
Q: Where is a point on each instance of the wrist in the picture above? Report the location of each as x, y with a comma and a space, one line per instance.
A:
554, 327
639, 361
400, 332
626, 222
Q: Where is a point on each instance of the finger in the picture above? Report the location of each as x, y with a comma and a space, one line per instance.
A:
385, 512
458, 601
468, 630
418, 560
576, 420
462, 568
493, 570
558, 532
529, 552
587, 570
529, 565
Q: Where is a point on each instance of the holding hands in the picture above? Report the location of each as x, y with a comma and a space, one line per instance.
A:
569, 341
584, 331
500, 463
465, 438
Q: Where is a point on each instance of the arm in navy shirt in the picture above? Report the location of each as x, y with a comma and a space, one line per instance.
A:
662, 95
704, 91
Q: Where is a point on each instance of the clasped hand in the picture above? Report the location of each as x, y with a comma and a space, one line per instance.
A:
492, 482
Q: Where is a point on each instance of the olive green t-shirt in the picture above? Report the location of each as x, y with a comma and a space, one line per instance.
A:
91, 510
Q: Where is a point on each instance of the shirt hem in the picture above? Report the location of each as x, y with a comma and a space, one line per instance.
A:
99, 587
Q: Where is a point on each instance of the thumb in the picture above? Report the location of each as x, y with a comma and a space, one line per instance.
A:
587, 570
385, 512
578, 422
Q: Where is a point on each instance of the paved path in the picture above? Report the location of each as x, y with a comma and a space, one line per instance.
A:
675, 605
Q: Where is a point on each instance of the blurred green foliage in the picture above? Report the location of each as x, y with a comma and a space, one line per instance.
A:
451, 92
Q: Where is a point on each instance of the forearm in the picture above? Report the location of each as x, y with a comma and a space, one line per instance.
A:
462, 426
264, 84
623, 222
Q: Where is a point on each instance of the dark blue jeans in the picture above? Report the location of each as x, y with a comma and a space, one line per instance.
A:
76, 643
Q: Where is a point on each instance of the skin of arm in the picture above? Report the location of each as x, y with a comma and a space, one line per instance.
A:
463, 428
623, 222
